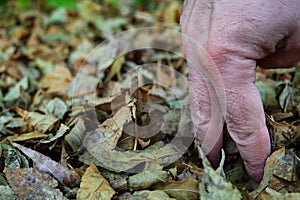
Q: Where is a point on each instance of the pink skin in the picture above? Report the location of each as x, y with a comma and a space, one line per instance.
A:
238, 34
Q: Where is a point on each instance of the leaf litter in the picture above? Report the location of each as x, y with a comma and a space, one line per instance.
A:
40, 55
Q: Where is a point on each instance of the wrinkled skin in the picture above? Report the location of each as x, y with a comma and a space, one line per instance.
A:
238, 35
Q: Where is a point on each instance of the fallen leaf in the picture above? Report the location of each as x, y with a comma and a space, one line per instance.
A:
39, 122
57, 16
45, 164
45, 66
27, 136
57, 107
152, 195
171, 13
138, 161
286, 168
115, 69
283, 134
106, 136
29, 183
59, 133
15, 92
274, 195
75, 136
7, 193
13, 158
185, 189
57, 80
286, 98
267, 92
268, 171
213, 185
94, 185
145, 179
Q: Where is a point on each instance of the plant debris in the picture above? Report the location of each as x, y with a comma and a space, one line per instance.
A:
88, 115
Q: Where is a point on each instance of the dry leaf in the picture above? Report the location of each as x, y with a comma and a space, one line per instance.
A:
15, 92
45, 164
274, 195
39, 122
94, 186
106, 136
213, 185
286, 98
185, 189
7, 193
145, 179
283, 134
59, 133
58, 80
152, 195
75, 136
171, 12
27, 136
115, 69
29, 183
268, 171
138, 161
13, 158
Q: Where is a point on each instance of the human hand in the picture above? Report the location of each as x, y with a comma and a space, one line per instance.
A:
236, 36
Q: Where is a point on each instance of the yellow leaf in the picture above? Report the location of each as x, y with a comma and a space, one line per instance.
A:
29, 136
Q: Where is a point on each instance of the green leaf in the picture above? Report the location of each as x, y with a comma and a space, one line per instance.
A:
13, 158
14, 92
62, 3
75, 136
152, 195
212, 185
7, 193
145, 179
120, 161
58, 16
56, 107
24, 3
60, 132
267, 93
185, 189
45, 66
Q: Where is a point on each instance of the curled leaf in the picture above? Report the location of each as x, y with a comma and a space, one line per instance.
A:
283, 134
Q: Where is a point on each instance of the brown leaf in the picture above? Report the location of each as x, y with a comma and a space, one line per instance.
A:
28, 136
268, 171
283, 134
58, 80
109, 132
274, 195
94, 186
29, 183
171, 12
